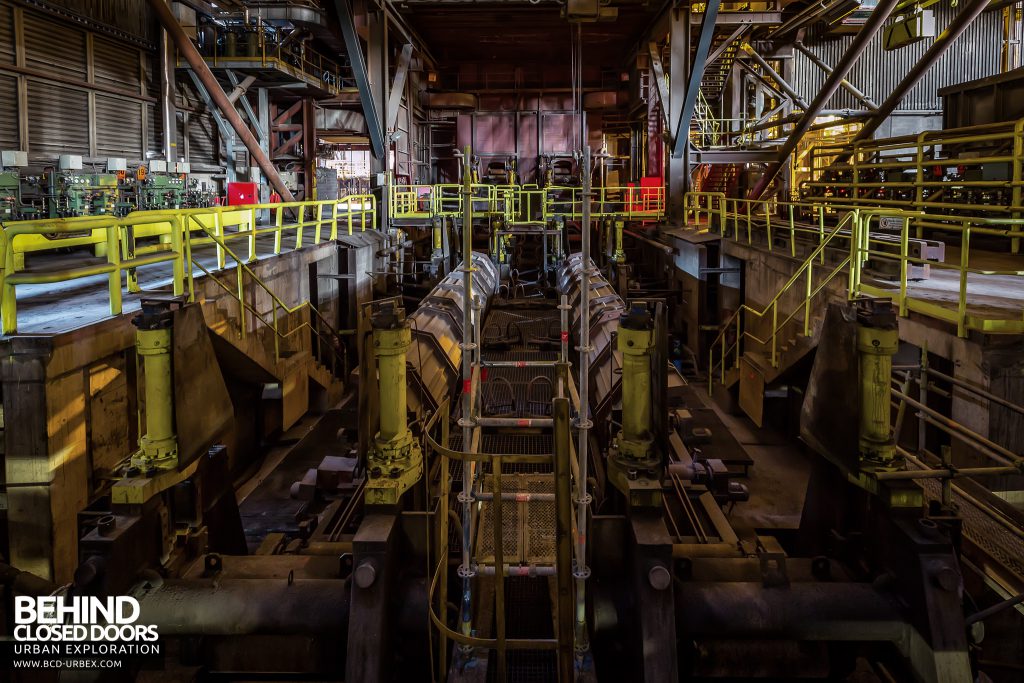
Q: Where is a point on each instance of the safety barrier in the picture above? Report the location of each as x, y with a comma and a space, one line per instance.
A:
525, 202
882, 236
177, 233
975, 169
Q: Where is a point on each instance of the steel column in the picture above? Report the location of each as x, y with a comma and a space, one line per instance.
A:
343, 8
398, 87
563, 536
707, 32
835, 79
202, 72
677, 171
168, 112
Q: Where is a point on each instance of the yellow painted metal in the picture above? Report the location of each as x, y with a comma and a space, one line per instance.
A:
395, 463
620, 254
159, 445
876, 347
635, 346
857, 227
178, 232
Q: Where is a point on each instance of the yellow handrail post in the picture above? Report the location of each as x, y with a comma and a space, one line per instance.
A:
807, 301
114, 259
1015, 193
768, 223
178, 264
252, 235
775, 335
792, 233
299, 225
362, 215
319, 222
218, 230
8, 299
965, 255
821, 229
187, 236
278, 228
241, 298
750, 233
904, 249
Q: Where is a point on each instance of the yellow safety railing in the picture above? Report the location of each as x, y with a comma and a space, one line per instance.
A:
892, 240
525, 202
975, 169
124, 253
733, 333
317, 324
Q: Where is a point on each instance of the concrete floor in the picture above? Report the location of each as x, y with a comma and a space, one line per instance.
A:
993, 297
64, 306
777, 480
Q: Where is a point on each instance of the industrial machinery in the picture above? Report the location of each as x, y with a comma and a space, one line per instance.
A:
11, 207
508, 508
72, 191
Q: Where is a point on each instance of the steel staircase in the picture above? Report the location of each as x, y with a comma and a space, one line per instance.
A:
755, 347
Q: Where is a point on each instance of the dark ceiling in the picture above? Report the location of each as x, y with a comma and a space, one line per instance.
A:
524, 34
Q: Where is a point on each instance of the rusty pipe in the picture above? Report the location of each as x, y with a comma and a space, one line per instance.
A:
209, 81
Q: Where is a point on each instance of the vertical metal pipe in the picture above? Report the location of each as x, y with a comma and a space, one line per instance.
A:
583, 422
563, 536
466, 421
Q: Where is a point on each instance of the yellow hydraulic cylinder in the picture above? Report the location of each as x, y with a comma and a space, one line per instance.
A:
620, 254
634, 464
159, 445
395, 463
876, 346
635, 340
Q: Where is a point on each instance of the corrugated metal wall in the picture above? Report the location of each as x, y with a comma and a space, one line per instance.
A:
974, 55
69, 73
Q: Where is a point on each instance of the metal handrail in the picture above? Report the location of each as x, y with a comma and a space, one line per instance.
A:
760, 221
119, 238
773, 307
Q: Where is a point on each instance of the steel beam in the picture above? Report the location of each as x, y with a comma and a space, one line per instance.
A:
786, 87
237, 95
861, 96
343, 8
398, 87
205, 76
707, 32
720, 50
860, 42
938, 47
677, 172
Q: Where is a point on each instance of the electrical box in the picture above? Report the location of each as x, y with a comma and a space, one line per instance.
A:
12, 159
182, 167
240, 194
158, 166
115, 164
70, 162
908, 29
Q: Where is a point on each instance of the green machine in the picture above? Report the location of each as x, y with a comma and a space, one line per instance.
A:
162, 185
10, 184
72, 192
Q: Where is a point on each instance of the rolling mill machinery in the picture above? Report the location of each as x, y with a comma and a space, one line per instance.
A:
535, 491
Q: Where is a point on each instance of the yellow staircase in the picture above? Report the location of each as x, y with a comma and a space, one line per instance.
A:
757, 346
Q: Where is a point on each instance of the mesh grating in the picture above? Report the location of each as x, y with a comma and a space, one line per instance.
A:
528, 527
